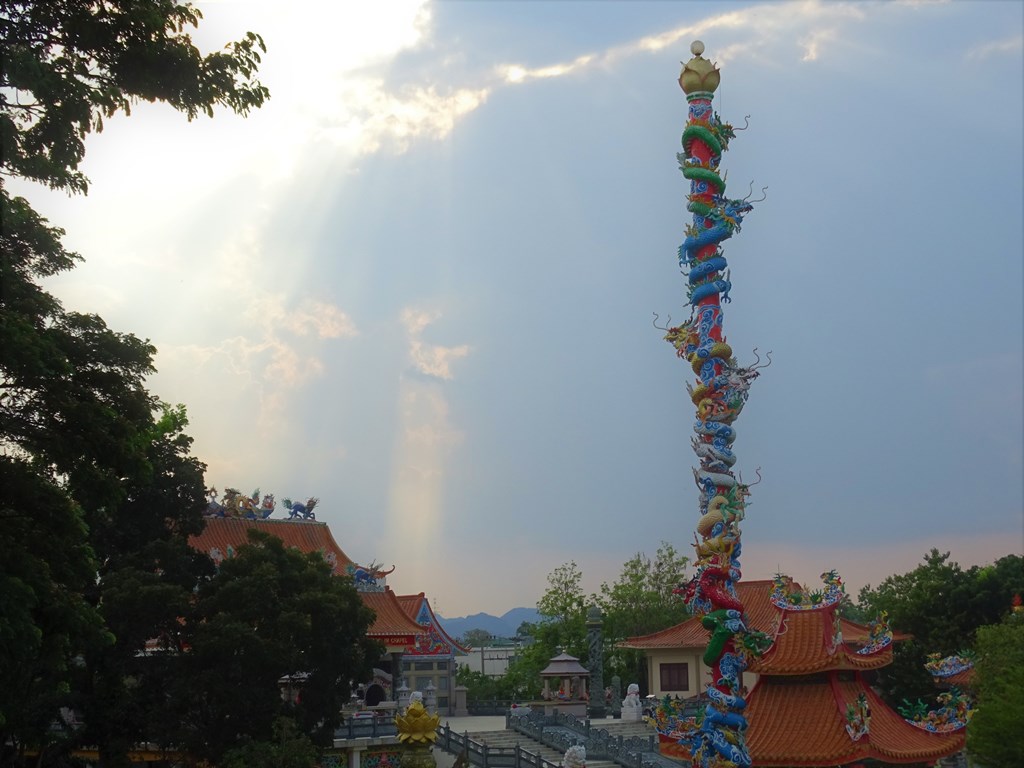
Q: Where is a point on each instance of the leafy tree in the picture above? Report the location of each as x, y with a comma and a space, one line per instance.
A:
563, 604
941, 606
483, 687
270, 612
289, 748
995, 735
476, 638
77, 421
641, 601
146, 588
45, 568
68, 64
100, 463
562, 628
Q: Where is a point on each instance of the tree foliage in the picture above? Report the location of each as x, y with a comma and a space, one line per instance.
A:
941, 606
481, 687
562, 628
46, 566
288, 748
995, 735
99, 491
476, 638
270, 612
68, 64
641, 601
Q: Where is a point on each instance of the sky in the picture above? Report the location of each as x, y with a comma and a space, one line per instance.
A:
421, 282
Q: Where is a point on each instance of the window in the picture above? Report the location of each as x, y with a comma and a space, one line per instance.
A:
406, 666
442, 701
675, 677
442, 666
424, 666
422, 683
442, 683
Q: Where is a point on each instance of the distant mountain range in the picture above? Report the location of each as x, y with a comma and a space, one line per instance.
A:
499, 626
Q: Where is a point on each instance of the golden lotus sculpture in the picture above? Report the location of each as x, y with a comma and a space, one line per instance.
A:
417, 726
699, 75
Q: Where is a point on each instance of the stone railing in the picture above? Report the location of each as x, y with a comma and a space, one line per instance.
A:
366, 727
561, 731
488, 706
484, 756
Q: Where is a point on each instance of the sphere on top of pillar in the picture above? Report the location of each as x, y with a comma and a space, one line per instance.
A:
699, 75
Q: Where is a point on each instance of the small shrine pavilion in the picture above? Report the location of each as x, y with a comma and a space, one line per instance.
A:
570, 696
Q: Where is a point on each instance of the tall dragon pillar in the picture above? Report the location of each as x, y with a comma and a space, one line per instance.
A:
719, 395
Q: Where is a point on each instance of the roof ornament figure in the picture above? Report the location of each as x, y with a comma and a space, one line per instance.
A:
234, 503
299, 511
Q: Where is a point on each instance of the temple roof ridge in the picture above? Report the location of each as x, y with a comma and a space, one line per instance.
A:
418, 607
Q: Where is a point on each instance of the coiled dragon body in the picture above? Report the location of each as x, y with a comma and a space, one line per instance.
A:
718, 396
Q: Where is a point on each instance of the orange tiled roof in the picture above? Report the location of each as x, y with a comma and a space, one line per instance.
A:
761, 615
222, 534
392, 625
804, 652
804, 643
801, 722
964, 679
859, 633
435, 640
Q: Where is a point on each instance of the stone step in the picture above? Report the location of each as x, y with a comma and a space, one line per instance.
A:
509, 739
618, 726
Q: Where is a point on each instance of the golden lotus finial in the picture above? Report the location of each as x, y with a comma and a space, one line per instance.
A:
699, 75
417, 726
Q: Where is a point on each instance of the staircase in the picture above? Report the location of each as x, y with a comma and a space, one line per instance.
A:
543, 746
509, 740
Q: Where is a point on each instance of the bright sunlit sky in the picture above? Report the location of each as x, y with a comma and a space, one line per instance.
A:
420, 282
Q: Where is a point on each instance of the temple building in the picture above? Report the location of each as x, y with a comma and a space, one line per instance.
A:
430, 664
809, 702
412, 637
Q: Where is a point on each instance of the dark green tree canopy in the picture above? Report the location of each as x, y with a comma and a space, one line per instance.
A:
46, 567
995, 735
476, 638
640, 601
270, 612
67, 64
942, 606
99, 491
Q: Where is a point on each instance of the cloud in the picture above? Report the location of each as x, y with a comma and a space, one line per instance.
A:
429, 359
367, 115
1009, 46
514, 73
814, 41
376, 116
260, 343
323, 320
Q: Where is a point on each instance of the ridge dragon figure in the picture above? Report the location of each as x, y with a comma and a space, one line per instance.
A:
715, 738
